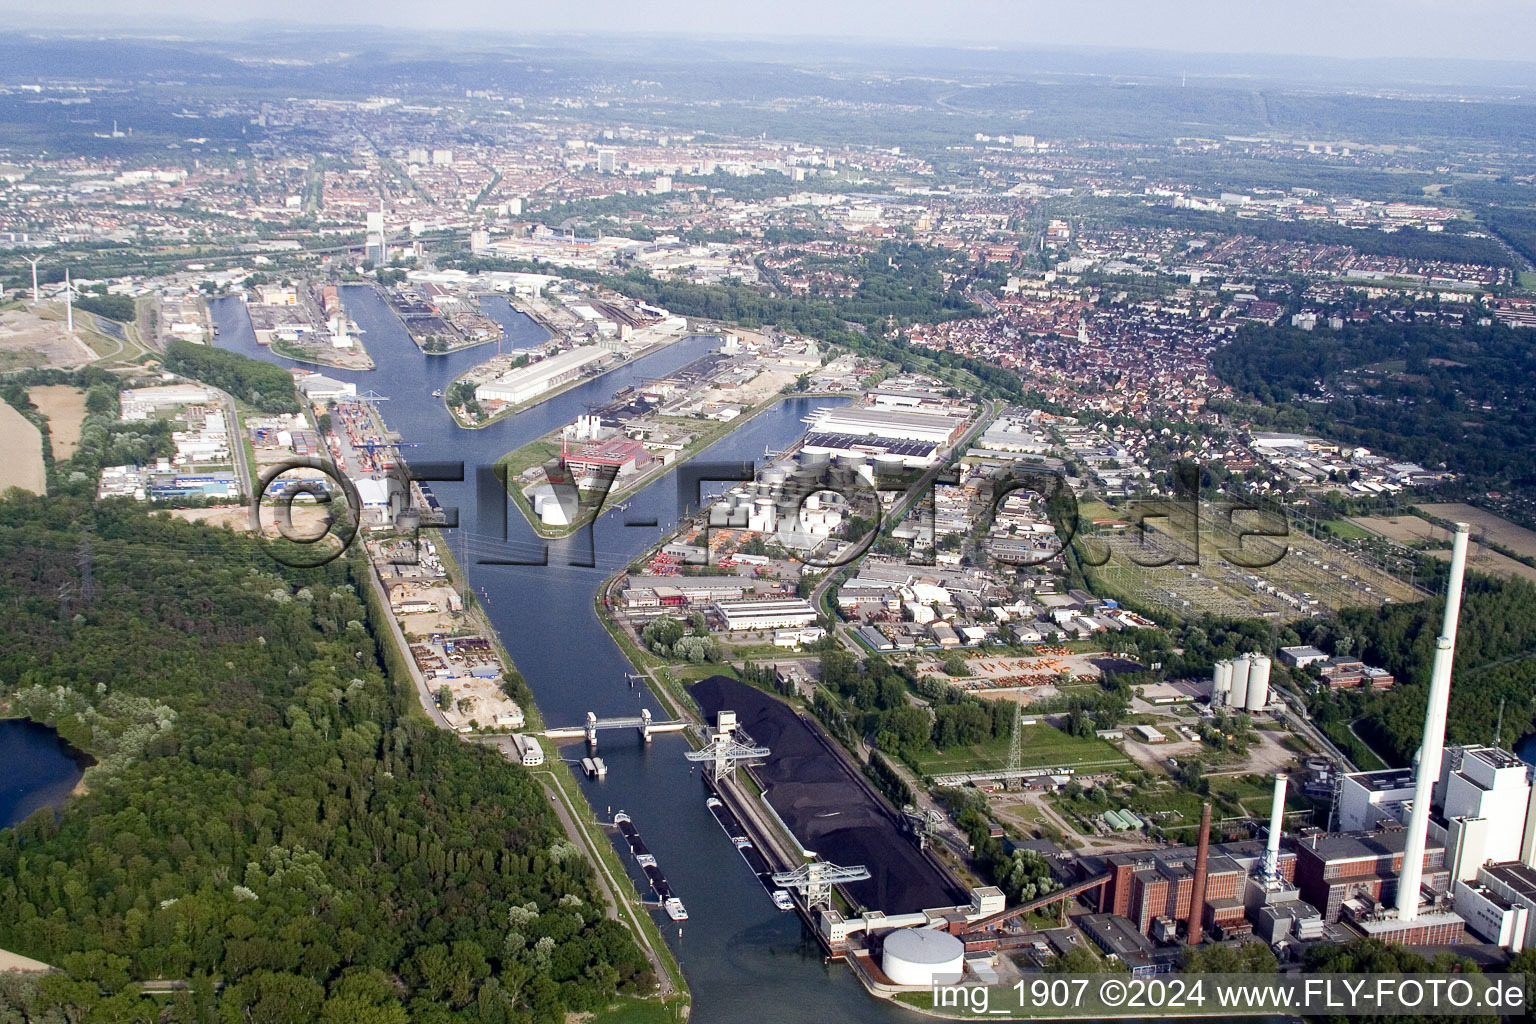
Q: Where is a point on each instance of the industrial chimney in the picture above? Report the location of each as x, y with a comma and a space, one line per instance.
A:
1412, 877
1276, 823
1197, 893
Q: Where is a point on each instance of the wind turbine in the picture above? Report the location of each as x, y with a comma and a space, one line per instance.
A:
34, 260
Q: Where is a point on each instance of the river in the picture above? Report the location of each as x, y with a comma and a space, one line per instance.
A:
39, 769
739, 953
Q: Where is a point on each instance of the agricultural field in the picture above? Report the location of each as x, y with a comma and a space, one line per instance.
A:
1308, 575
1043, 746
23, 443
65, 408
1498, 530
1412, 531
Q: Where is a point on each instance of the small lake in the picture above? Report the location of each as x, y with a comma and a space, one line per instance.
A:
37, 769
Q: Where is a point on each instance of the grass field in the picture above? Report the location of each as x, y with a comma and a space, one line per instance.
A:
1497, 529
1304, 569
1043, 746
640, 1011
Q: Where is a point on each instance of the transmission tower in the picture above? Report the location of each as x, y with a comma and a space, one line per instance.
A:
816, 879
1015, 741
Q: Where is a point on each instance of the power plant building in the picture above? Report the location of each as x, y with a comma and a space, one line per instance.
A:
1332, 869
1148, 885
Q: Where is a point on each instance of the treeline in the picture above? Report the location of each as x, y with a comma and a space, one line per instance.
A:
113, 307
1515, 225
1451, 246
1494, 664
1023, 875
265, 385
104, 439
1462, 397
267, 811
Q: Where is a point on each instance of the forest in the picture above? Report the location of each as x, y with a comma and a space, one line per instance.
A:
265, 385
1495, 671
1462, 397
269, 819
113, 307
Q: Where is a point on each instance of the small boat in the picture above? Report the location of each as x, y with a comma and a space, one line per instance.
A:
782, 901
438, 393
674, 908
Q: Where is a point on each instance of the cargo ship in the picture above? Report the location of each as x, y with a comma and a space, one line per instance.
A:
647, 862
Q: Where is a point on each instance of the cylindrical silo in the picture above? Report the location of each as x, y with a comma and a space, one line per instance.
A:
1238, 696
1258, 684
1221, 682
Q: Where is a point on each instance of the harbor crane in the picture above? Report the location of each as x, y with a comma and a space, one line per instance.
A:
725, 752
816, 879
725, 748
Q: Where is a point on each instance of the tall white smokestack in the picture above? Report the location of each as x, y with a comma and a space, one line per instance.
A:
1430, 753
1276, 823
69, 303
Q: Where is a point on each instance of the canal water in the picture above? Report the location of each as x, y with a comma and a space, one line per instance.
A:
741, 955
36, 769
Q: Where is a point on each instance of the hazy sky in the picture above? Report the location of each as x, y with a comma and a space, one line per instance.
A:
1498, 29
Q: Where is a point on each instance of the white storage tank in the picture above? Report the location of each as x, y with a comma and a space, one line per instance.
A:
1258, 684
1221, 682
1238, 696
922, 956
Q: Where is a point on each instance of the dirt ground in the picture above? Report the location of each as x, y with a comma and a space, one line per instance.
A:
24, 443
306, 518
1413, 530
1498, 530
760, 388
28, 340
65, 408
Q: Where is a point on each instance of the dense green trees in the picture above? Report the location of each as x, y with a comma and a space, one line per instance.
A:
265, 811
113, 307
1494, 664
267, 386
1436, 395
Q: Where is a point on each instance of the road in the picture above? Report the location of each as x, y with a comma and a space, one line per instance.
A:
904, 505
614, 891
1315, 736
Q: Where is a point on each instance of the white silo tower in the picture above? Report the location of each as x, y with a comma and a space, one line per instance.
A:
1238, 696
1221, 682
1258, 683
